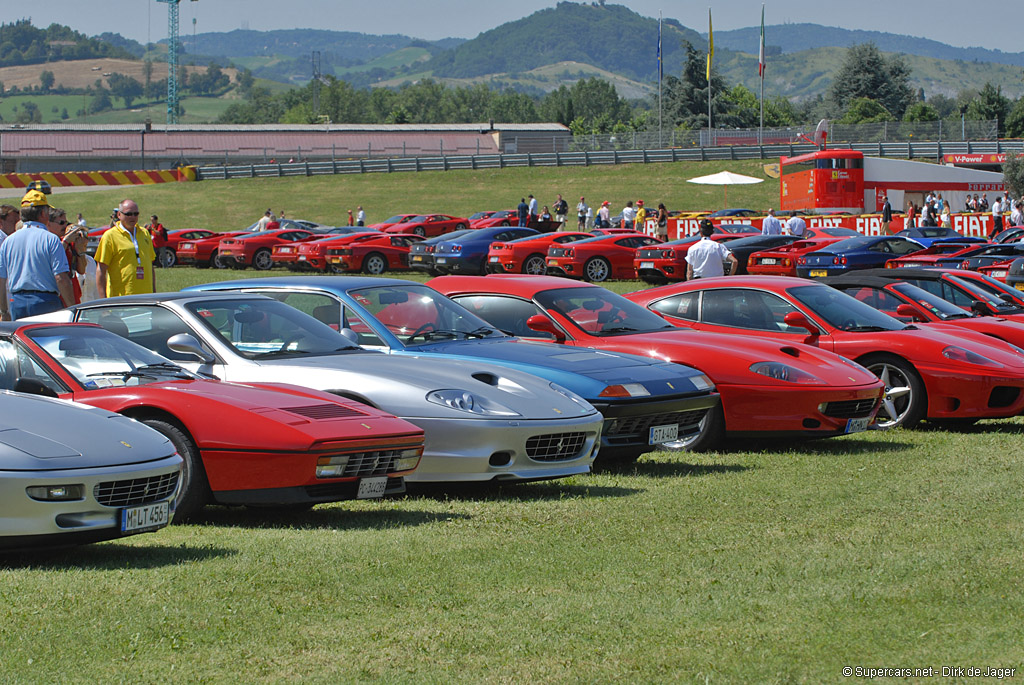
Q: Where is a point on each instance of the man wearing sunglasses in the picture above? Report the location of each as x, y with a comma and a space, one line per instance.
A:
124, 258
9, 218
33, 266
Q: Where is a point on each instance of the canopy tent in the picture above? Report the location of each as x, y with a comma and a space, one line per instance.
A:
725, 179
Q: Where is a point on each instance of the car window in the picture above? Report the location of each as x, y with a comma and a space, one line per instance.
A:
943, 290
682, 306
877, 298
418, 315
16, 362
882, 246
148, 326
508, 314
902, 247
741, 308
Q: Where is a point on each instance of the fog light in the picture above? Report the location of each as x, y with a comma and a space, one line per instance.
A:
331, 467
408, 459
55, 493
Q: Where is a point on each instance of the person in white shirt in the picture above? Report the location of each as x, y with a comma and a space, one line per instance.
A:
997, 216
1017, 215
81, 220
628, 214
707, 258
796, 226
267, 217
771, 225
532, 206
582, 213
360, 216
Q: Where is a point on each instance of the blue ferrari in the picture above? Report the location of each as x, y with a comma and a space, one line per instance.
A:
929, 235
467, 254
863, 252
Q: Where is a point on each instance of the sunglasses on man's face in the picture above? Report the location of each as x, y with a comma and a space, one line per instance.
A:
130, 213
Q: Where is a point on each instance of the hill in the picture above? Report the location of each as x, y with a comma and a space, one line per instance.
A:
84, 73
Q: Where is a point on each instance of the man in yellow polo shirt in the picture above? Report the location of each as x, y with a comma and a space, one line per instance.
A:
124, 258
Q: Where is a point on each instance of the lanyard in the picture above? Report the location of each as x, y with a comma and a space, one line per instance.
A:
135, 242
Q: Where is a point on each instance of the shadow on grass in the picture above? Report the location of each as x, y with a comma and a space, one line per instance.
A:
518, 492
325, 517
823, 446
967, 428
109, 556
673, 469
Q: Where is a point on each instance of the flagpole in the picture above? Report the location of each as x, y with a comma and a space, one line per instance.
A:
711, 54
760, 69
660, 70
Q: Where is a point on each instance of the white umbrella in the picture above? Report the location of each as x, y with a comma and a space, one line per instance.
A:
725, 179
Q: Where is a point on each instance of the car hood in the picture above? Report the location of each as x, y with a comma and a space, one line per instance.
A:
582, 370
400, 385
38, 433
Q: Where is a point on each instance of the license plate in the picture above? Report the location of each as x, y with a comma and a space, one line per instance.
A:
1019, 286
858, 425
660, 434
302, 257
287, 250
147, 517
440, 260
819, 273
768, 261
372, 487
494, 260
417, 258
187, 246
335, 260
552, 262
646, 265
998, 274
910, 265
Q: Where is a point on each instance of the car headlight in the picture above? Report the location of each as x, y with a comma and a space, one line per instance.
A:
463, 400
702, 382
625, 390
785, 372
959, 354
566, 392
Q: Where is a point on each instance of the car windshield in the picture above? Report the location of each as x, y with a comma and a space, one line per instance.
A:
994, 291
417, 315
262, 328
758, 240
479, 215
737, 228
842, 311
601, 312
850, 244
941, 308
415, 220
98, 358
839, 232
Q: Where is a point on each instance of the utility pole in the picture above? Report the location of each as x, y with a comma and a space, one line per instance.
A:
316, 85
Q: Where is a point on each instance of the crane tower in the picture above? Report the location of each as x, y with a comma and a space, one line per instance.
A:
172, 60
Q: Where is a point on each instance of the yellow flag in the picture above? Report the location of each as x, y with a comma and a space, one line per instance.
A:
711, 45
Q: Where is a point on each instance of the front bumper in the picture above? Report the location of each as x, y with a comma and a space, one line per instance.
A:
796, 411
627, 424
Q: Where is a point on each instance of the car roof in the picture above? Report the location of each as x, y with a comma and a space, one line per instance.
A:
329, 283
526, 284
859, 278
155, 298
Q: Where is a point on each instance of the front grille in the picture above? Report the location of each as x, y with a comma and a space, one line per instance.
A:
320, 412
555, 446
850, 409
630, 428
130, 493
374, 463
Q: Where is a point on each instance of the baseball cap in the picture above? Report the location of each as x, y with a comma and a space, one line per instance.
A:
34, 198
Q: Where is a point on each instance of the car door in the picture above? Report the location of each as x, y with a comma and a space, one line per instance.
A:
506, 313
758, 313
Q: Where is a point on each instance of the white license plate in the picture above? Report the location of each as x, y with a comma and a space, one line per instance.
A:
660, 434
910, 265
187, 246
998, 274
858, 425
440, 260
768, 261
372, 487
302, 257
646, 265
148, 517
494, 260
819, 273
552, 262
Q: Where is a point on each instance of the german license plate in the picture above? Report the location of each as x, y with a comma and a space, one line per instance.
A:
302, 257
768, 261
147, 517
858, 425
417, 258
646, 265
372, 487
494, 260
440, 260
819, 273
660, 434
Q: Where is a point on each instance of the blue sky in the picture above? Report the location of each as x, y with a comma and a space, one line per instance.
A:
985, 23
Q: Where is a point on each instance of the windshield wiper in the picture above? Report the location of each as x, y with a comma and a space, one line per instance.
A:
620, 329
481, 332
125, 375
166, 366
865, 329
277, 352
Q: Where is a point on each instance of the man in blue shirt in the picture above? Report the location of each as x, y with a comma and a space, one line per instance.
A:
771, 225
33, 265
523, 211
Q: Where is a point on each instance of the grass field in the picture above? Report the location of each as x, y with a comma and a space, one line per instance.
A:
760, 563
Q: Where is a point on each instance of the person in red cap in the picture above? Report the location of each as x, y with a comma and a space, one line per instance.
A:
641, 216
604, 216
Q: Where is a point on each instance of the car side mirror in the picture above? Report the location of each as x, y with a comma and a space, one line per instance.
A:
33, 386
350, 336
982, 308
800, 320
911, 312
542, 324
187, 344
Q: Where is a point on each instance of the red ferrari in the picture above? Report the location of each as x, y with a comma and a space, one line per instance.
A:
599, 258
939, 254
429, 225
781, 261
666, 262
375, 254
527, 255
269, 445
767, 388
311, 255
256, 249
927, 374
202, 252
391, 221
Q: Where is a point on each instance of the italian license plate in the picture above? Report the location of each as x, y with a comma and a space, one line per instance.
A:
660, 434
440, 260
302, 257
858, 425
646, 265
998, 274
147, 517
494, 260
768, 261
372, 487
335, 260
187, 246
819, 273
417, 258
910, 265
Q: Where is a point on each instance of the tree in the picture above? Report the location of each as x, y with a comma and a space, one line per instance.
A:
1013, 174
865, 111
125, 87
990, 104
866, 73
46, 79
685, 100
920, 111
1015, 120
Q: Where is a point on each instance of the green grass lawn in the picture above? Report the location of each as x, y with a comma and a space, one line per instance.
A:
760, 563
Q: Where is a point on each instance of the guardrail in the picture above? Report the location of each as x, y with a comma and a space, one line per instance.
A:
922, 150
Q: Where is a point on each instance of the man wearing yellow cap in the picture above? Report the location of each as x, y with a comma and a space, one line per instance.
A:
33, 265
124, 258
